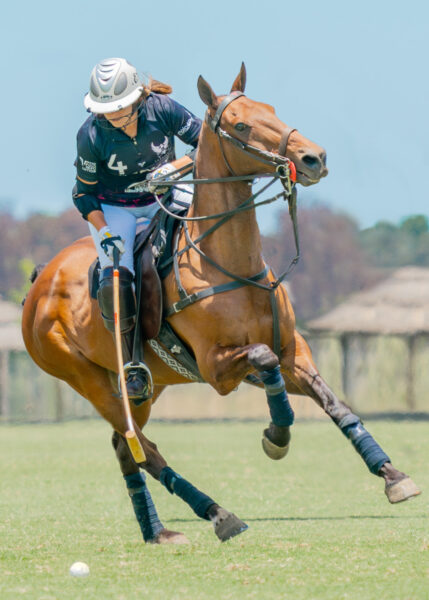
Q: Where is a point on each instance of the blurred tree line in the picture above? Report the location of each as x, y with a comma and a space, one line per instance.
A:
337, 258
25, 243
388, 245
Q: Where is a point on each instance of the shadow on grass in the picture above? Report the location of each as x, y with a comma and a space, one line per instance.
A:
344, 518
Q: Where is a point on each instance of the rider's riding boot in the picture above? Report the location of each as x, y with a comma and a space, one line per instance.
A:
138, 376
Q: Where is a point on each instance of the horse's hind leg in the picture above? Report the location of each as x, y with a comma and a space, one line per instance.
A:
226, 524
300, 369
98, 389
94, 383
144, 509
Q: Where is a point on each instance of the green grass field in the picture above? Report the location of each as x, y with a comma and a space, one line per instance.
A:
320, 524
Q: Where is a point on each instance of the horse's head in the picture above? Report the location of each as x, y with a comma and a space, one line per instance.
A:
256, 125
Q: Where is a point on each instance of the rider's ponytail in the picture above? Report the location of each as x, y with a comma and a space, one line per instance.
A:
156, 86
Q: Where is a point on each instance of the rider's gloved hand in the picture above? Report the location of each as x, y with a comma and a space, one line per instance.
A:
161, 172
109, 241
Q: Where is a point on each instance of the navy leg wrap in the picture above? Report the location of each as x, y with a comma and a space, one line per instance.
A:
363, 442
175, 484
143, 505
280, 409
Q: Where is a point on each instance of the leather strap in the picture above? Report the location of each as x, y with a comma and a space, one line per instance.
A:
284, 140
218, 114
211, 291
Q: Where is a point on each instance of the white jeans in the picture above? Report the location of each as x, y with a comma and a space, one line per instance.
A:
126, 221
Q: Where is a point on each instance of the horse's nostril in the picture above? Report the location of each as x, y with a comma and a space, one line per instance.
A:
323, 158
311, 160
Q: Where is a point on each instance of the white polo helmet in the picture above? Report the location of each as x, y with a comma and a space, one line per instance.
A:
114, 84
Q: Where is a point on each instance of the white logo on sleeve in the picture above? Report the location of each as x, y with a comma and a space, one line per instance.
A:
185, 127
87, 165
120, 167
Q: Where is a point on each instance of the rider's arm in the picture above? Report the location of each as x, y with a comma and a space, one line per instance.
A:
179, 121
184, 161
85, 190
85, 201
182, 123
96, 218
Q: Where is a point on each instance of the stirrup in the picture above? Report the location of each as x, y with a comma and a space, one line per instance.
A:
142, 371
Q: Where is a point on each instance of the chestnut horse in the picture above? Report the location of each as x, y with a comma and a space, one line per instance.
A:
231, 334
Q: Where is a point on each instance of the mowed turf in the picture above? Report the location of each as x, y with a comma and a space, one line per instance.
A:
320, 524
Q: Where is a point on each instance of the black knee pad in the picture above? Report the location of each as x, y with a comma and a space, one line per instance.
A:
127, 299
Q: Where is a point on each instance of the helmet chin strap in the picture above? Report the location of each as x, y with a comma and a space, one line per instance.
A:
136, 112
130, 120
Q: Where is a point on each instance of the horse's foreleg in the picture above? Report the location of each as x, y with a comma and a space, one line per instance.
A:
224, 368
300, 368
276, 438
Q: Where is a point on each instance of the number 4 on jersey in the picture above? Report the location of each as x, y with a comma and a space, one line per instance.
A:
120, 167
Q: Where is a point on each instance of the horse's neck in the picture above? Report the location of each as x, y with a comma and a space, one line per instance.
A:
235, 245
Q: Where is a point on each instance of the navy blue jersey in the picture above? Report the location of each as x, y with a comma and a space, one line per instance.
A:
108, 160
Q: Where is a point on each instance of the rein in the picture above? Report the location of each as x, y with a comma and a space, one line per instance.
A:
285, 172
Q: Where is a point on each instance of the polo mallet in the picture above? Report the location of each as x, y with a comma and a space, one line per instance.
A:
130, 435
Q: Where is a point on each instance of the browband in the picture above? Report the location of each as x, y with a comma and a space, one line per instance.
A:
214, 123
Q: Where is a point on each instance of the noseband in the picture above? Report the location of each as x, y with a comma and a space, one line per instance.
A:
285, 167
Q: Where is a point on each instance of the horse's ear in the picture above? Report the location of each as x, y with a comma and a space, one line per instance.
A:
240, 81
206, 93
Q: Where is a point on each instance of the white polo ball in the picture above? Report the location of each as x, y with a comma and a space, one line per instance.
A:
79, 569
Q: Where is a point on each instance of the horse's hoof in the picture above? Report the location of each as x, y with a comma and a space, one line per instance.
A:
227, 525
272, 450
401, 490
169, 537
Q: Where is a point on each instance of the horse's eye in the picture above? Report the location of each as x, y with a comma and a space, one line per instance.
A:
240, 126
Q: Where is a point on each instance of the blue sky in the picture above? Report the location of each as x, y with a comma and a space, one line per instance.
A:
351, 76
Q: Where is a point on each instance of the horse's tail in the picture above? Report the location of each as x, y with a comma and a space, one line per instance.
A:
36, 271
34, 274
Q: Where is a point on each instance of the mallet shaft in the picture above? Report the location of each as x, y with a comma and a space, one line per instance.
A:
130, 435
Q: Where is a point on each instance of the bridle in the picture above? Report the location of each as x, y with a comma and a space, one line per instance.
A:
285, 172
269, 158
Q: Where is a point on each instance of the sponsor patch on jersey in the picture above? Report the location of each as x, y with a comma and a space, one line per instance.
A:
87, 165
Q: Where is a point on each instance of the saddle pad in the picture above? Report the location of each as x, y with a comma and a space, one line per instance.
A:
181, 359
